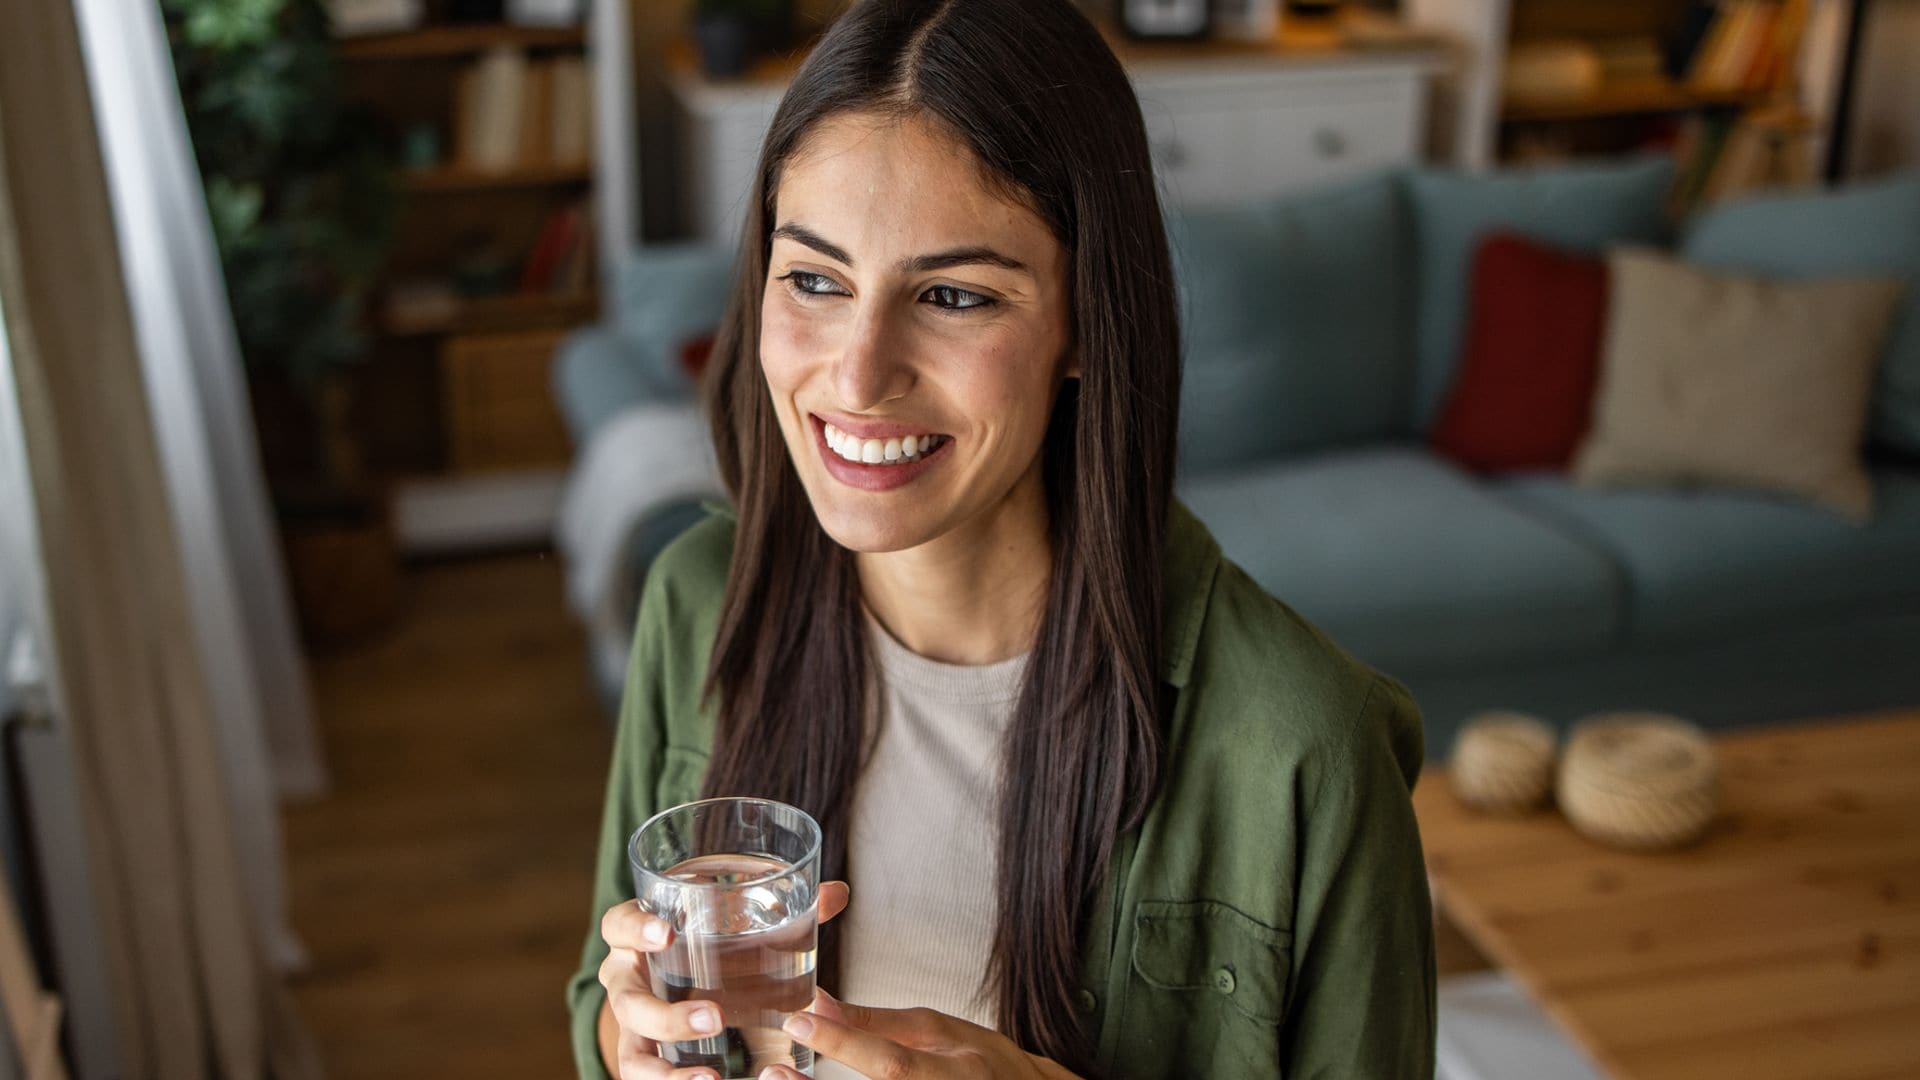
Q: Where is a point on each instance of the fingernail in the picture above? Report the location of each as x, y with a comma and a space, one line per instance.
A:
657, 933
800, 1026
705, 1021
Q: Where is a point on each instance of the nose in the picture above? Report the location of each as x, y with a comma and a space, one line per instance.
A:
873, 368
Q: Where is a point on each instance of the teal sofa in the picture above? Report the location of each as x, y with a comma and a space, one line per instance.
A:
1322, 333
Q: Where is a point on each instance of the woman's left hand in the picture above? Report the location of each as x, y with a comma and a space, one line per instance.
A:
910, 1044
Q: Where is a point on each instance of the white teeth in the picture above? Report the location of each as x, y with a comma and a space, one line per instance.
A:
877, 451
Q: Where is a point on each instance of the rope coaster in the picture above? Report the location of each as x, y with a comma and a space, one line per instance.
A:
1503, 762
1643, 781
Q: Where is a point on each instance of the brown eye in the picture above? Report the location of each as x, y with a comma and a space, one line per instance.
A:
957, 299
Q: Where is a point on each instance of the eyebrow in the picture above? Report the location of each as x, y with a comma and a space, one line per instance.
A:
918, 264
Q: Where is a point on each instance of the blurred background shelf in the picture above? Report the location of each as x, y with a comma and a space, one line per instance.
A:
445, 178
1630, 99
453, 41
498, 314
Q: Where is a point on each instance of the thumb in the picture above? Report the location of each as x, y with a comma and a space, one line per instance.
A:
825, 1004
834, 896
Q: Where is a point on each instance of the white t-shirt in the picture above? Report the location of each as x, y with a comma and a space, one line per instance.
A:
922, 841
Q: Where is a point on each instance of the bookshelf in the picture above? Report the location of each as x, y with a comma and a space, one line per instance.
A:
444, 41
512, 193
1630, 98
468, 178
1558, 79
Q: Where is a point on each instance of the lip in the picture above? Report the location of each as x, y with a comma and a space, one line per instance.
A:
871, 429
872, 477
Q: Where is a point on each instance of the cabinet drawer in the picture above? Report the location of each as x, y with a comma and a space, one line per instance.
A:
1300, 147
1222, 139
1195, 151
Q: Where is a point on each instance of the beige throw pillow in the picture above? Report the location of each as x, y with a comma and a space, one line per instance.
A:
1708, 378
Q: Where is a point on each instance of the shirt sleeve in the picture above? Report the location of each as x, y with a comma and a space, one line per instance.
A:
1362, 987
638, 740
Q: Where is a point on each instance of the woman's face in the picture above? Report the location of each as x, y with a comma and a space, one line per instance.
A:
913, 333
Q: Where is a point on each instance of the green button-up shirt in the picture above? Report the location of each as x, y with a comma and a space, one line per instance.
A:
1270, 916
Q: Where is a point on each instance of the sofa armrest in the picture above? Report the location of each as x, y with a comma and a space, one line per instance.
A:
599, 372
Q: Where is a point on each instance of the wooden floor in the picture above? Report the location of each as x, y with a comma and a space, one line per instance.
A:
442, 888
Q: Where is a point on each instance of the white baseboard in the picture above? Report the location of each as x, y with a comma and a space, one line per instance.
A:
450, 514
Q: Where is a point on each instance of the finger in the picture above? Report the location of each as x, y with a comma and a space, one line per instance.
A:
924, 1028
641, 1013
637, 1059
863, 1051
833, 899
778, 1072
826, 1005
649, 1065
627, 926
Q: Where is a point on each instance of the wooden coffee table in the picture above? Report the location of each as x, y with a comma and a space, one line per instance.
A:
1784, 944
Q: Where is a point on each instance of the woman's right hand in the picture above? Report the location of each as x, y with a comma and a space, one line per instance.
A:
634, 1023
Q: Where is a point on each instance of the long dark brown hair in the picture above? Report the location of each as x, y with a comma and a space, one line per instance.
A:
1032, 90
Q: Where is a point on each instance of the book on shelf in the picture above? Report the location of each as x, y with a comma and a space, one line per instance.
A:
556, 237
571, 111
561, 259
511, 112
536, 116
1740, 45
359, 18
488, 104
1722, 156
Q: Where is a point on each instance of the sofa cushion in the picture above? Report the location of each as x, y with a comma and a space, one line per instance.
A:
598, 373
1719, 379
1524, 394
1407, 561
1873, 231
668, 297
1710, 562
1581, 208
1296, 321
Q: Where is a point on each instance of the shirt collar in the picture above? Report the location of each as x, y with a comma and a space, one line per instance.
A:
1192, 558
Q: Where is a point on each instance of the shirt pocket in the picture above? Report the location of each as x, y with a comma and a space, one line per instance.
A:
681, 773
1211, 989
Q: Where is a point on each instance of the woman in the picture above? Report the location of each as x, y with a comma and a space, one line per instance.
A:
1105, 807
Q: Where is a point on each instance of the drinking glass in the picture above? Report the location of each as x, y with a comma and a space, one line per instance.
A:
738, 879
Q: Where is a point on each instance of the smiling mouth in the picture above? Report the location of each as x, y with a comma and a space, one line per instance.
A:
899, 450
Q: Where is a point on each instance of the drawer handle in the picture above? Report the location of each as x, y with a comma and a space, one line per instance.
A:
1329, 143
1173, 153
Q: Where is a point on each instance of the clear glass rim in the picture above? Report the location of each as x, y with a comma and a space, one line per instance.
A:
812, 855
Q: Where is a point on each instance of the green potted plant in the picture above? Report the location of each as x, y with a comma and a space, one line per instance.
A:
299, 190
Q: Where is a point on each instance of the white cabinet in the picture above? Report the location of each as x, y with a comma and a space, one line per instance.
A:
1220, 130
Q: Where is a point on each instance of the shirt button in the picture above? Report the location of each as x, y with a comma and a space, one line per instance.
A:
1223, 980
1086, 1001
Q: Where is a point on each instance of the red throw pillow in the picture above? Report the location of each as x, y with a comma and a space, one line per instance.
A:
1524, 393
694, 354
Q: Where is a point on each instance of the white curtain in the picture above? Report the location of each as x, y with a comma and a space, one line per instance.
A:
197, 395
167, 644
